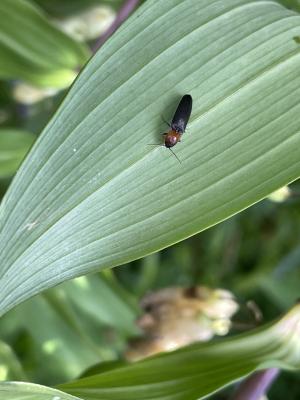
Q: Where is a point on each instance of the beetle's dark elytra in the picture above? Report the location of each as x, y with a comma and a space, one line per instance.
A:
182, 114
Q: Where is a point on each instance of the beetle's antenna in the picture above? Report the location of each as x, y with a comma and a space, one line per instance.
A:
174, 154
162, 145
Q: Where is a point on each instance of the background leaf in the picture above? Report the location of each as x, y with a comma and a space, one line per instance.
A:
68, 329
196, 371
204, 368
282, 285
10, 366
29, 391
32, 49
93, 194
71, 7
292, 4
14, 144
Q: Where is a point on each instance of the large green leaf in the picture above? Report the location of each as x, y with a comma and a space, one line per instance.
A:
32, 49
93, 194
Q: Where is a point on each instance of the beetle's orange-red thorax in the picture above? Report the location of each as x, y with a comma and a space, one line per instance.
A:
171, 138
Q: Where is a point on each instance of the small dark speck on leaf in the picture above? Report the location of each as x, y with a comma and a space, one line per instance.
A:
297, 39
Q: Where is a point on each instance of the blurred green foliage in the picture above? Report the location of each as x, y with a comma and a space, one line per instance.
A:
68, 7
33, 49
14, 145
292, 4
57, 335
